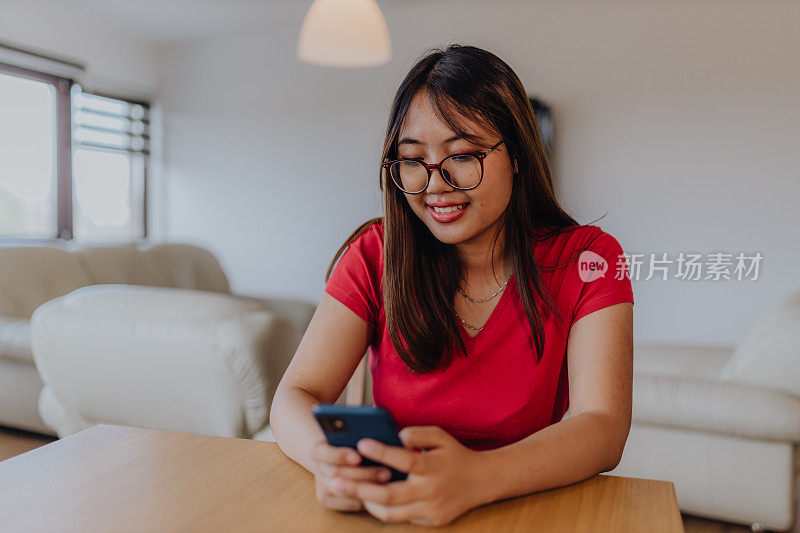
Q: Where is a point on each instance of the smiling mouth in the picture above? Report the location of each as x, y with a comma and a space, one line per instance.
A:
448, 209
446, 214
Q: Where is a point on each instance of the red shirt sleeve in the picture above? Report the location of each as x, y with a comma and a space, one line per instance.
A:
601, 273
355, 280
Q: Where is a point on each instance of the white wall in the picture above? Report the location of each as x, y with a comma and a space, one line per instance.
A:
117, 58
680, 120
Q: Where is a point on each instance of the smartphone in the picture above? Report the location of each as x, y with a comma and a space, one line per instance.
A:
345, 425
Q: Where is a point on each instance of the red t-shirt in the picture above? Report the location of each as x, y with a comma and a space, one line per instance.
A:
499, 394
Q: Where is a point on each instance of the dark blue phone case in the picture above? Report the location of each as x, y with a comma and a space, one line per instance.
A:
360, 422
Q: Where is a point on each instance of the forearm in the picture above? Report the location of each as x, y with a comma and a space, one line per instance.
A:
566, 452
294, 426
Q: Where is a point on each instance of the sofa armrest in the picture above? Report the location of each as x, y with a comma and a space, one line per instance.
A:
162, 358
713, 406
298, 312
680, 359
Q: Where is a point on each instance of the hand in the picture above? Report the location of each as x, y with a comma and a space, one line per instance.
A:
340, 461
443, 481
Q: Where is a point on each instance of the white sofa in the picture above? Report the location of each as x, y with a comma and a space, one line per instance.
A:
147, 336
723, 423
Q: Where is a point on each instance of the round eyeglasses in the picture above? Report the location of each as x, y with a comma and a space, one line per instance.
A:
461, 171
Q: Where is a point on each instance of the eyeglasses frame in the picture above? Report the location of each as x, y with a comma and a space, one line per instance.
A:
481, 155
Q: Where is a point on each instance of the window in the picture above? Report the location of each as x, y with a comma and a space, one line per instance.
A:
28, 156
111, 143
72, 164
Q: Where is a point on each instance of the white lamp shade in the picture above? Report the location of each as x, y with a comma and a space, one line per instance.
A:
344, 33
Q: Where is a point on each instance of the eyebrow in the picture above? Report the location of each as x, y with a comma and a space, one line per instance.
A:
408, 140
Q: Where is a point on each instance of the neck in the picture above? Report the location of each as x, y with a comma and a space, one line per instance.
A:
477, 258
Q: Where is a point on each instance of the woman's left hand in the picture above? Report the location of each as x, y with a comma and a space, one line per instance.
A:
444, 478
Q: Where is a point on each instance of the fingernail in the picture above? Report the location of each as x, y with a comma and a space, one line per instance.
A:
353, 458
384, 475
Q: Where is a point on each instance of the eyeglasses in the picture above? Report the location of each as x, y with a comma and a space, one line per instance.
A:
461, 171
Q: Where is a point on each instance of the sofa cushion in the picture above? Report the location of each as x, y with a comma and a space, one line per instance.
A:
32, 275
122, 265
770, 355
189, 267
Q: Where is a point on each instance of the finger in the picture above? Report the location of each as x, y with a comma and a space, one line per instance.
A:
394, 493
391, 494
358, 473
334, 500
394, 456
342, 503
339, 455
424, 437
394, 513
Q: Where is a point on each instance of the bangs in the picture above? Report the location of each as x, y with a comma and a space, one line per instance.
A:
461, 118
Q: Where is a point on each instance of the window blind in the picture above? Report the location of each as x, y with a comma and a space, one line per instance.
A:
110, 123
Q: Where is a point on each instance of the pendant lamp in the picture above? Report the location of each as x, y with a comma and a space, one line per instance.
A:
344, 33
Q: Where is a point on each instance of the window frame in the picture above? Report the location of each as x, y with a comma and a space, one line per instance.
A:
64, 152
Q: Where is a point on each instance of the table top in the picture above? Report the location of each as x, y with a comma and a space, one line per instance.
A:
113, 478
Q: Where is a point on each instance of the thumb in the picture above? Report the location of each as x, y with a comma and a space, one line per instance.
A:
424, 437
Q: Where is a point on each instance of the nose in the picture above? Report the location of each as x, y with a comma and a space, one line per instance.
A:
437, 182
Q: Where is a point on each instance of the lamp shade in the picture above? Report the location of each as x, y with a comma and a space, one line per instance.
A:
344, 33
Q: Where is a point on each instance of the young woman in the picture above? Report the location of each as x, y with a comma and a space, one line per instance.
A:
487, 309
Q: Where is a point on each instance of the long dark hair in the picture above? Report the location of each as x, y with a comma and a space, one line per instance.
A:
462, 82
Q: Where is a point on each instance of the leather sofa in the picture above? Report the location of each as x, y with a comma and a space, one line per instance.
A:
723, 423
148, 336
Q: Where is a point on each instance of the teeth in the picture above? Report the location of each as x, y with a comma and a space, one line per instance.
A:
449, 209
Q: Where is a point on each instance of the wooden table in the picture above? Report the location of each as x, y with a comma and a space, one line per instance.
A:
111, 478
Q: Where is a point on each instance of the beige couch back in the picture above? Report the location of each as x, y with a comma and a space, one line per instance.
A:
33, 275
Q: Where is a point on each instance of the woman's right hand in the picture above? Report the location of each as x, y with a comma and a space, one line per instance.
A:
340, 461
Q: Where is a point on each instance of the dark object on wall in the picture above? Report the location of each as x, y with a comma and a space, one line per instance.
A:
544, 118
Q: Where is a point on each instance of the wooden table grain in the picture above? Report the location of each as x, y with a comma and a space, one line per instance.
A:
113, 478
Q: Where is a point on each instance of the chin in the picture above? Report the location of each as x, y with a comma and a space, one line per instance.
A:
451, 235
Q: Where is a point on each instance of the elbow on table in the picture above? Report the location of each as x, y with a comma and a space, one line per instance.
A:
278, 416
619, 449
619, 437
612, 464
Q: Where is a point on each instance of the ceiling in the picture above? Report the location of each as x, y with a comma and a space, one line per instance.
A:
179, 20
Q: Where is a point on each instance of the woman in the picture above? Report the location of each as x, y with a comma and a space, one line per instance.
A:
487, 309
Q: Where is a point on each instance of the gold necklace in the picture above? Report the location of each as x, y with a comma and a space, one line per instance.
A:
468, 297
467, 324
